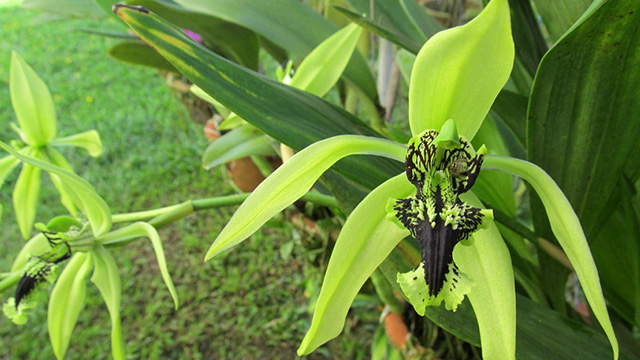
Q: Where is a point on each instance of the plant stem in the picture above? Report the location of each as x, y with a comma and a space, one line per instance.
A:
262, 164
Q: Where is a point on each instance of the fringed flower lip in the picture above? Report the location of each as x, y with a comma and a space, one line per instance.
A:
442, 166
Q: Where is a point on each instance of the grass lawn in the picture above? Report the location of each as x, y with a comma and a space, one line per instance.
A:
246, 304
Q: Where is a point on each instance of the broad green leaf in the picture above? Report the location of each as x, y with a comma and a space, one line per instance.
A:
586, 138
51, 155
107, 280
238, 143
31, 102
398, 39
88, 140
138, 53
403, 17
321, 69
25, 197
559, 15
493, 296
459, 72
566, 227
292, 180
82, 193
7, 164
142, 229
290, 24
232, 41
511, 109
365, 240
275, 108
66, 301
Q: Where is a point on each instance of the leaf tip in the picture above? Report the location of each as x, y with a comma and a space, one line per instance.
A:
117, 7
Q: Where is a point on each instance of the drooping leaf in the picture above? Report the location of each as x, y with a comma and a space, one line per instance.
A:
143, 229
238, 143
274, 109
459, 72
138, 53
82, 193
292, 180
88, 140
290, 24
566, 227
587, 137
321, 69
234, 42
365, 240
107, 280
25, 198
31, 102
66, 301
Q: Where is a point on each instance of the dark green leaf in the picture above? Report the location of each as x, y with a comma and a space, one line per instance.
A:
272, 107
559, 15
138, 53
530, 45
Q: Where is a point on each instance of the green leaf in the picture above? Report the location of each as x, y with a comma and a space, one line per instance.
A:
451, 78
7, 164
232, 41
398, 39
52, 156
488, 264
143, 229
221, 109
32, 103
292, 180
289, 24
587, 137
529, 43
511, 109
365, 240
559, 15
238, 143
82, 193
88, 140
66, 301
321, 69
138, 53
107, 280
274, 109
567, 229
25, 197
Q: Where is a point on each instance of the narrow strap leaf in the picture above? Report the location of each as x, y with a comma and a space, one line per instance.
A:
365, 240
568, 231
292, 180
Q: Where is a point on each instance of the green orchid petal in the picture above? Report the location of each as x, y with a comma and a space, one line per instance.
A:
50, 155
107, 280
487, 263
365, 240
294, 179
66, 301
568, 231
82, 193
7, 164
88, 140
143, 229
17, 313
459, 72
35, 246
238, 143
322, 68
25, 197
32, 103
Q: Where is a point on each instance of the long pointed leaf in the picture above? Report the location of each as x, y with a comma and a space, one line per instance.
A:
272, 107
66, 301
32, 103
107, 280
459, 72
365, 240
82, 193
292, 180
566, 227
